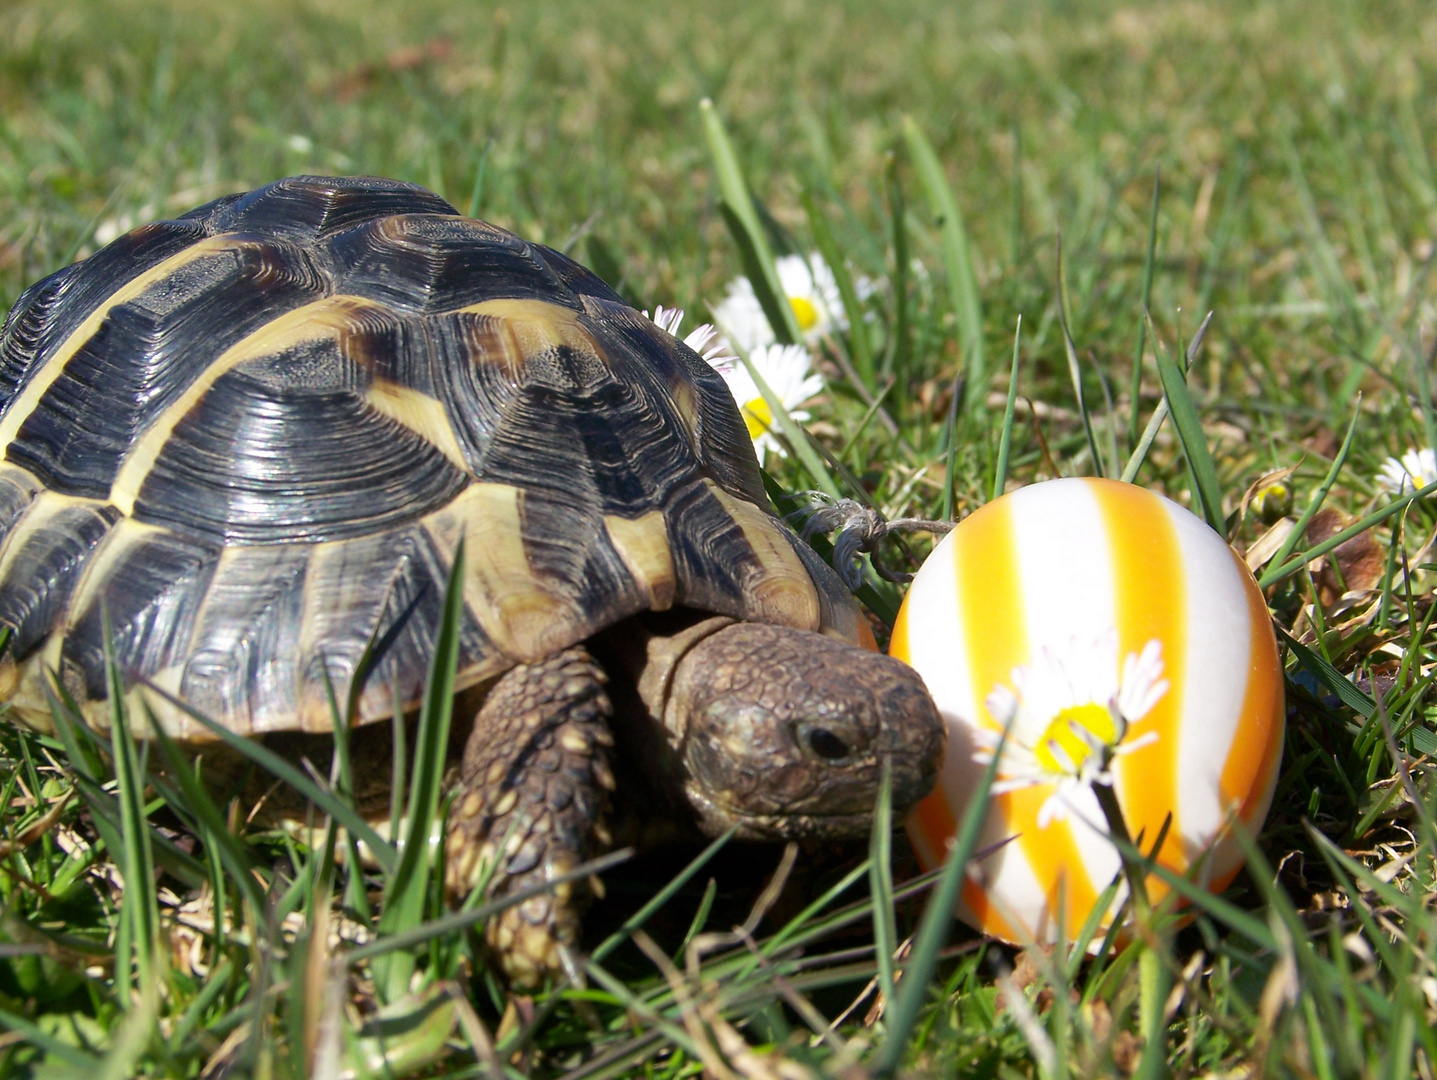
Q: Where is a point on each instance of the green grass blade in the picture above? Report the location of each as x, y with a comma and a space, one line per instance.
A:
898, 358
1329, 677
140, 906
880, 881
934, 928
1135, 395
800, 928
1328, 265
860, 346
323, 798
212, 828
1005, 437
662, 897
795, 435
950, 447
1207, 490
1319, 496
386, 944
1155, 422
1357, 528
1140, 452
1224, 911
83, 1063
87, 770
1075, 371
408, 887
747, 228
957, 260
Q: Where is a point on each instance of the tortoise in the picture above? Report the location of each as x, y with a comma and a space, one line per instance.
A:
256, 432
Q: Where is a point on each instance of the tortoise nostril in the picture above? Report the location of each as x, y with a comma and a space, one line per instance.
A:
826, 744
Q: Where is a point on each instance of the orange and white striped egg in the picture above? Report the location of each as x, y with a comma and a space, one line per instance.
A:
1064, 562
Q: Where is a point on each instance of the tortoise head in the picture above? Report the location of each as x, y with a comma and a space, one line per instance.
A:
784, 732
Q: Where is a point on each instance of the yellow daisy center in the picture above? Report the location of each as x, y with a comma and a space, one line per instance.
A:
1062, 732
806, 312
758, 416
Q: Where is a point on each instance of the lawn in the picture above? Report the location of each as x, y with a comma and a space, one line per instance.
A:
1272, 163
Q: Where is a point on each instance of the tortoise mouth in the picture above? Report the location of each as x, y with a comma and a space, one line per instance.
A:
717, 815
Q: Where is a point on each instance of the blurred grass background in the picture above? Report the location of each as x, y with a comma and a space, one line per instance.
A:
1298, 200
582, 117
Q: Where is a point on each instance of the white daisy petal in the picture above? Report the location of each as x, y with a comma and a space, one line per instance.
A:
1068, 713
741, 317
1002, 704
668, 319
785, 368
809, 287
1142, 682
1418, 468
704, 340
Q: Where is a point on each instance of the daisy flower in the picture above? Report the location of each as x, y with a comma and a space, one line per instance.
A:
1418, 468
702, 339
809, 285
786, 370
1069, 717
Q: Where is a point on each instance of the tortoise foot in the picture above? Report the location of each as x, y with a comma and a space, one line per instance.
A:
535, 781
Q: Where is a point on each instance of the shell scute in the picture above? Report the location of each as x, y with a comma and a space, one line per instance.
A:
77, 433
52, 309
422, 263
249, 464
309, 208
150, 582
44, 555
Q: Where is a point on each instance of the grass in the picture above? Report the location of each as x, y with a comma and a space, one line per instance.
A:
943, 151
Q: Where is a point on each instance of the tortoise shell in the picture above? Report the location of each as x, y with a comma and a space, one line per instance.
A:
254, 434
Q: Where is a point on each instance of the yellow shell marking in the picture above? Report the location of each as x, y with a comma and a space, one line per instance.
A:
420, 413
784, 592
535, 326
331, 317
22, 686
643, 545
524, 620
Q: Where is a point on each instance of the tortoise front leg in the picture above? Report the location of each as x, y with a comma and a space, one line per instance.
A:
535, 778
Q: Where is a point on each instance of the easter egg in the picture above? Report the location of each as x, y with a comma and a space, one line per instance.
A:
1122, 642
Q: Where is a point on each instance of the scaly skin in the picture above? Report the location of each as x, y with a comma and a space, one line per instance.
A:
535, 777
784, 733
778, 731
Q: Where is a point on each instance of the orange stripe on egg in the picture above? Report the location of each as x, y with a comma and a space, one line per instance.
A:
1249, 772
1254, 753
1145, 549
898, 640
990, 584
986, 914
931, 825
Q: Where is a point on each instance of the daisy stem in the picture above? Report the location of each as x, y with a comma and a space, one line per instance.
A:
1154, 975
1133, 868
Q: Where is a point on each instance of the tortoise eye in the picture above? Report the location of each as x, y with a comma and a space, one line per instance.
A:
825, 744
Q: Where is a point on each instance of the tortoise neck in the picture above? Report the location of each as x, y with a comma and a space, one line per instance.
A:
649, 655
